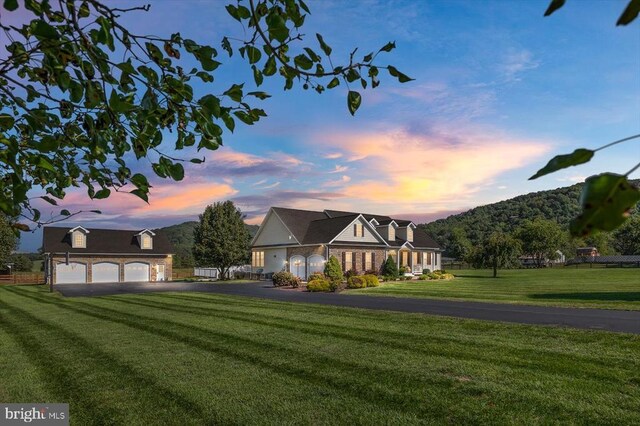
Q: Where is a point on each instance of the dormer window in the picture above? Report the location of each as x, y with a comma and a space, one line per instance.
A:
392, 233
409, 234
145, 239
79, 240
146, 242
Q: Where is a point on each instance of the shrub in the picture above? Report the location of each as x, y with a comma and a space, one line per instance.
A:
333, 270
283, 278
317, 276
371, 272
402, 270
390, 269
424, 277
371, 280
319, 284
438, 275
356, 281
350, 273
426, 271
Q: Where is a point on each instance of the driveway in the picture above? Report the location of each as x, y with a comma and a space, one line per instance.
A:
595, 319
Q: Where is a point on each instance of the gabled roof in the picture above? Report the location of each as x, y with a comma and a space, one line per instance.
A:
313, 227
103, 241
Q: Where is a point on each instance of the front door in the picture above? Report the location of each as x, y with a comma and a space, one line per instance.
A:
159, 272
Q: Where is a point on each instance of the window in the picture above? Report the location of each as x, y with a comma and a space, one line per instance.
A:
428, 258
409, 234
348, 260
404, 259
414, 258
358, 230
257, 259
79, 240
392, 233
146, 242
367, 261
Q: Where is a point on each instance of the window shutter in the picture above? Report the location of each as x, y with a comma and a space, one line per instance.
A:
373, 261
355, 229
344, 260
364, 262
354, 261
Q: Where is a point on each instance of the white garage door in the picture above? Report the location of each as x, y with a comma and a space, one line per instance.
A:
298, 266
136, 271
316, 264
105, 272
73, 273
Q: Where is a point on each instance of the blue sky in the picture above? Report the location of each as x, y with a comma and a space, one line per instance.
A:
499, 90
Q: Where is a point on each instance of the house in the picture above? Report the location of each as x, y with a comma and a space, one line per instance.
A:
301, 241
87, 255
587, 252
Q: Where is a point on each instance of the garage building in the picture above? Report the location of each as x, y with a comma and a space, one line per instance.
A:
85, 255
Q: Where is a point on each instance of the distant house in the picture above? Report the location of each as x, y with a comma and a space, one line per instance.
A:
301, 241
529, 261
587, 252
86, 255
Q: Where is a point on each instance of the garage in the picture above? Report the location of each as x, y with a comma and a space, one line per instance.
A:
298, 266
73, 273
136, 272
105, 272
316, 264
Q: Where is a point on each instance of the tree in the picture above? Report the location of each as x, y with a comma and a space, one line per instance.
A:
607, 198
333, 270
390, 268
21, 263
626, 240
497, 252
8, 241
458, 245
541, 239
220, 239
82, 97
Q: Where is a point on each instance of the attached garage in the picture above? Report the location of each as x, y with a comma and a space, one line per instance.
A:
298, 266
105, 272
316, 264
73, 273
136, 272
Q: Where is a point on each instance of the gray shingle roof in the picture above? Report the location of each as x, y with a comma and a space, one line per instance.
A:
107, 241
298, 220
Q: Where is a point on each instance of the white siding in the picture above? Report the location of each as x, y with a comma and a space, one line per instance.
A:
347, 234
274, 260
273, 232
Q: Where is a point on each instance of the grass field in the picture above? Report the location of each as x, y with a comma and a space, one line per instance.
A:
599, 288
211, 359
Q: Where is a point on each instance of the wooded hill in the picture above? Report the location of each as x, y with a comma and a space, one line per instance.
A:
181, 236
560, 205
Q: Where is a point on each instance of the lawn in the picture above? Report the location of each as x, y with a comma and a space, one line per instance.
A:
209, 359
598, 288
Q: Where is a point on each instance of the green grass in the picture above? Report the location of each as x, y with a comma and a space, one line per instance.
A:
598, 288
180, 358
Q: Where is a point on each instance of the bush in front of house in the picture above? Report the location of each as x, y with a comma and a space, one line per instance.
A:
424, 277
371, 280
350, 273
426, 271
316, 276
436, 275
333, 270
283, 279
356, 281
319, 284
390, 269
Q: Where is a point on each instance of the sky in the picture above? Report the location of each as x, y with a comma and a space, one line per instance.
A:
498, 91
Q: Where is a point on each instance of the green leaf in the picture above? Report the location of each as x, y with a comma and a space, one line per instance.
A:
141, 194
333, 83
579, 156
253, 54
553, 6
103, 193
41, 29
353, 101
259, 95
235, 92
606, 200
76, 91
176, 171
229, 122
402, 78
277, 27
10, 5
117, 104
140, 181
197, 160
257, 75
302, 61
630, 13
324, 46
43, 163
65, 212
83, 12
6, 122
270, 66
96, 211
388, 47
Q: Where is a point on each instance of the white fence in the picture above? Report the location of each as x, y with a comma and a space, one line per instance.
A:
214, 273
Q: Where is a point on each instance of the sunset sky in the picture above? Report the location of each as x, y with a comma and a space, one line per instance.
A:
499, 90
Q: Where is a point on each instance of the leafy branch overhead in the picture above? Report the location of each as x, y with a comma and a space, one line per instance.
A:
608, 198
82, 96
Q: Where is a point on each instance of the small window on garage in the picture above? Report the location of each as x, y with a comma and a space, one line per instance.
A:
79, 240
147, 242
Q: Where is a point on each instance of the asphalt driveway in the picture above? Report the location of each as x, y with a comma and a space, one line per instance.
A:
598, 319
